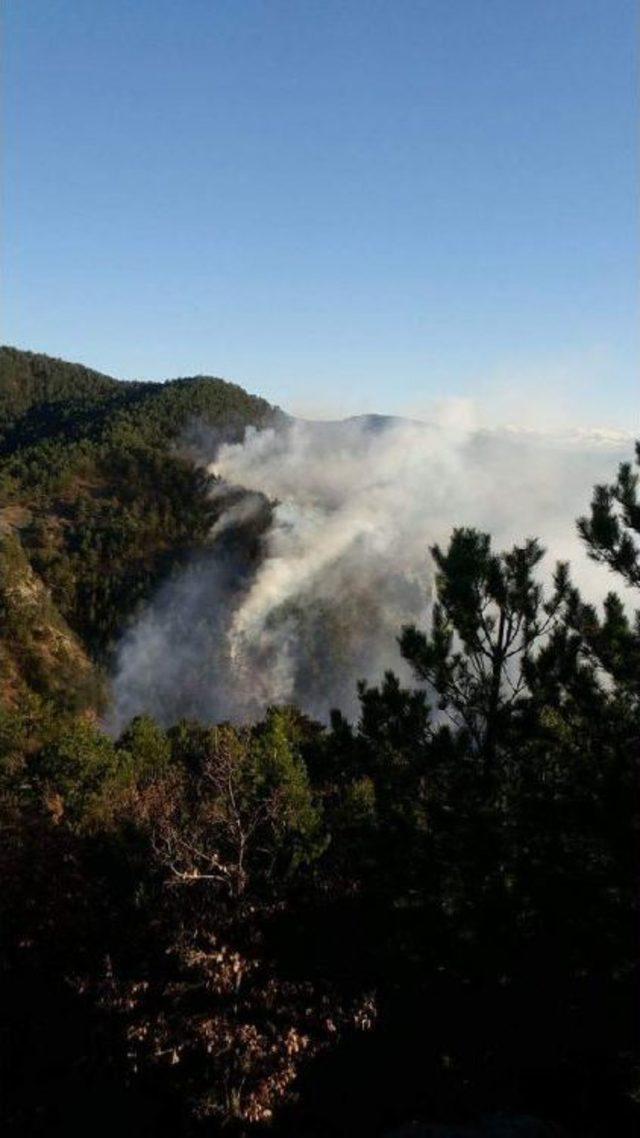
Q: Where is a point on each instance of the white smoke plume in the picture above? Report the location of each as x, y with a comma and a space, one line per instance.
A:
343, 558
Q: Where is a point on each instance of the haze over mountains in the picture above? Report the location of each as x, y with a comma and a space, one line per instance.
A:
190, 550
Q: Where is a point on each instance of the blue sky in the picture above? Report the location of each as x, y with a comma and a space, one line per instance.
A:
345, 205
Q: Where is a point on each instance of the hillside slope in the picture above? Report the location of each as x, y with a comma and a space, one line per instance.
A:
97, 499
38, 651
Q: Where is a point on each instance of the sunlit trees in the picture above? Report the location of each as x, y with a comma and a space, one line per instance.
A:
241, 814
611, 533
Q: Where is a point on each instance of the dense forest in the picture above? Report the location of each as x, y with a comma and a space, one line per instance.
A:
97, 496
425, 917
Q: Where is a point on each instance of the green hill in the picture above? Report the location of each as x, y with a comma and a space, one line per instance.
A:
97, 491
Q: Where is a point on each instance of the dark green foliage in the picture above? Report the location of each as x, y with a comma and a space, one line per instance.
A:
612, 531
149, 748
28, 381
612, 537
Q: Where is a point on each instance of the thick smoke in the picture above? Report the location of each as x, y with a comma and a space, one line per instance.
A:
298, 600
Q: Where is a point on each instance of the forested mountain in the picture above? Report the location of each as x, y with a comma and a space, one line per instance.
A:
419, 923
95, 491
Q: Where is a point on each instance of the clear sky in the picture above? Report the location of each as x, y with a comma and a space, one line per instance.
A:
344, 205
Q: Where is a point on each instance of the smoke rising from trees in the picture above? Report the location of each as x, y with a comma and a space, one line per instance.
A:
313, 568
